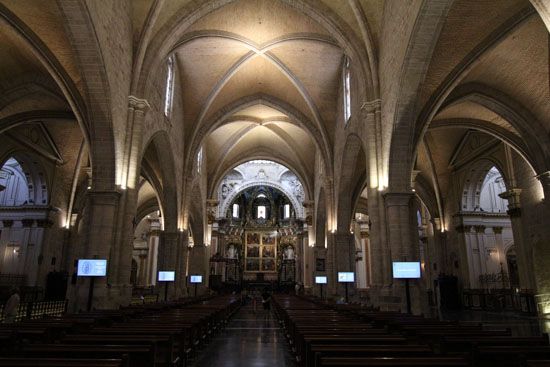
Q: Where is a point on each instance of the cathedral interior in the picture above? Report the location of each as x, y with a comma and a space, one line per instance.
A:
245, 145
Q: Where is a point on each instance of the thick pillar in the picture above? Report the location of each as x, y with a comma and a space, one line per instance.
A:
198, 265
344, 245
466, 256
121, 264
181, 265
99, 227
404, 246
526, 280
541, 255
168, 259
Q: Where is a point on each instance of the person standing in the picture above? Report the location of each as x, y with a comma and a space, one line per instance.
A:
266, 300
12, 306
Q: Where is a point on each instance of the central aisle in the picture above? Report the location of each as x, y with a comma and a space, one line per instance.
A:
250, 340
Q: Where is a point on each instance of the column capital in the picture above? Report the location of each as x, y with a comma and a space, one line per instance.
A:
479, 228
27, 223
138, 104
544, 178
463, 228
7, 223
497, 230
513, 197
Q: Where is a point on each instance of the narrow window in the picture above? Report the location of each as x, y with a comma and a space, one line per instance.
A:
235, 210
287, 211
346, 90
169, 92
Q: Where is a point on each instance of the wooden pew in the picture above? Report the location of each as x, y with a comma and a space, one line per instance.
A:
334, 350
133, 355
394, 362
59, 362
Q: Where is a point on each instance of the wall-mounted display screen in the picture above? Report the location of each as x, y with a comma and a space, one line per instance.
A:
406, 270
346, 277
195, 279
167, 276
320, 280
92, 268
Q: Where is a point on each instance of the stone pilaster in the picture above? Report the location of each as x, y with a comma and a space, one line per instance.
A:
513, 196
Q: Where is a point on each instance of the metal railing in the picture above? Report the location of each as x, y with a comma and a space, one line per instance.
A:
37, 310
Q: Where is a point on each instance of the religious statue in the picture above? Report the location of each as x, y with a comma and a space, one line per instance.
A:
225, 191
232, 252
288, 253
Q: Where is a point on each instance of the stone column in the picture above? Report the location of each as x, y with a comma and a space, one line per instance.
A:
27, 248
480, 247
541, 256
198, 266
365, 244
526, 280
167, 259
121, 265
47, 251
404, 246
499, 244
299, 256
152, 256
99, 227
344, 246
380, 266
181, 265
466, 256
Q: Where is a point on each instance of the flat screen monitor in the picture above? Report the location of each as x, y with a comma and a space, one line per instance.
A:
320, 280
167, 276
346, 277
195, 279
91, 268
406, 270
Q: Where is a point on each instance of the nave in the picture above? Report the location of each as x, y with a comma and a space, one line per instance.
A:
252, 338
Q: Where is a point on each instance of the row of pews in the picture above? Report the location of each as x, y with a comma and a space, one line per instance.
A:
322, 335
152, 335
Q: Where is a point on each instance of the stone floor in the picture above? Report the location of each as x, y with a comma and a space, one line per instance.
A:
250, 340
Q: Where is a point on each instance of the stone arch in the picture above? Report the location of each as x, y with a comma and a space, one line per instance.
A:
352, 179
297, 206
536, 146
261, 156
36, 177
473, 183
147, 208
93, 118
543, 8
425, 193
221, 117
170, 33
427, 27
159, 167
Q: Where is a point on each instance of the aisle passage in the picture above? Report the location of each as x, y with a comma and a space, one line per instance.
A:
250, 340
